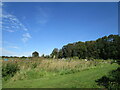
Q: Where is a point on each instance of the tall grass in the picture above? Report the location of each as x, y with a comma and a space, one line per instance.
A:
37, 68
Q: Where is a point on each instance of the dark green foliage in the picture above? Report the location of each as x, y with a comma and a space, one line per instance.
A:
60, 53
9, 69
46, 56
23, 57
35, 54
118, 62
54, 53
112, 81
104, 81
107, 47
43, 55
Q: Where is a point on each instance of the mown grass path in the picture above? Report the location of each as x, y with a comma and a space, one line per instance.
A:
83, 79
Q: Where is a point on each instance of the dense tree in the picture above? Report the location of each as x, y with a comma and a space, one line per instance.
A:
80, 49
46, 56
35, 54
42, 55
68, 50
23, 57
107, 47
54, 53
60, 54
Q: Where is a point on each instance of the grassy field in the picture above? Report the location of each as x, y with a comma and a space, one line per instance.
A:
58, 74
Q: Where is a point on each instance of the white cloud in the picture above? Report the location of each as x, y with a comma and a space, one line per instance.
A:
25, 29
26, 37
12, 22
43, 15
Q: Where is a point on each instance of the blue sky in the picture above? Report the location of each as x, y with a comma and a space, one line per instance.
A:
41, 27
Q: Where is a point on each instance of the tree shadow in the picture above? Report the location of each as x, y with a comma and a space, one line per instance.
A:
112, 81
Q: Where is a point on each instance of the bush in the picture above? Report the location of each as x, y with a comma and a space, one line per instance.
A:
9, 69
112, 81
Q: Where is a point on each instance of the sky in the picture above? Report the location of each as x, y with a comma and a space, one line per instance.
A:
38, 26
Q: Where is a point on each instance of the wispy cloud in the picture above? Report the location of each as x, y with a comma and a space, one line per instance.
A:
26, 37
11, 22
43, 15
15, 47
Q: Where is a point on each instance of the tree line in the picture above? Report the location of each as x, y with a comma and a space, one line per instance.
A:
107, 47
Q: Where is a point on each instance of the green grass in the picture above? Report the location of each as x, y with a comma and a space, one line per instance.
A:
83, 79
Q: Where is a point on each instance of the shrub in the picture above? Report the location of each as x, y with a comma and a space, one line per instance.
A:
112, 81
9, 69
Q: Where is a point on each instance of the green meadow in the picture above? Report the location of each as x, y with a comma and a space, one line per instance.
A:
55, 73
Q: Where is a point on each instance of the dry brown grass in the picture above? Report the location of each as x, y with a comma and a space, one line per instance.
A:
52, 65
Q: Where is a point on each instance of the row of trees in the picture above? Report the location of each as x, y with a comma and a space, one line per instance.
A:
107, 47
34, 54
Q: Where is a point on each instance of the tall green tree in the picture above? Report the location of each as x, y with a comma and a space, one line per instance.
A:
54, 53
